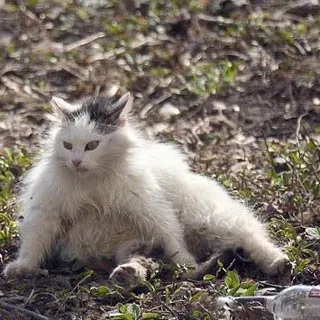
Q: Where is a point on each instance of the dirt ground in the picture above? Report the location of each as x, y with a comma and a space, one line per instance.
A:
235, 83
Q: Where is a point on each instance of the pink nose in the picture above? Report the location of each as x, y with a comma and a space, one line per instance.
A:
76, 162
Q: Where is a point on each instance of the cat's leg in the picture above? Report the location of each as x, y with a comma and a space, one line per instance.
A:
226, 223
133, 264
239, 228
257, 244
156, 218
38, 234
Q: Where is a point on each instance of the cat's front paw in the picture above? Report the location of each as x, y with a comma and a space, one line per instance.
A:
21, 268
128, 275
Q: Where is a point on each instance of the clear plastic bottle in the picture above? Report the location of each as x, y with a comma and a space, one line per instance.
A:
298, 302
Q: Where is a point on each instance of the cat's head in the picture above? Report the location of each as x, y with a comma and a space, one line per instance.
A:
91, 134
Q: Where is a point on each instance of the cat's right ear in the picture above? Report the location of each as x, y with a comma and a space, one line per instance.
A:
61, 107
125, 106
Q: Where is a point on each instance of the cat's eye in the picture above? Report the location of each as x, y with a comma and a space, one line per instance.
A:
91, 145
67, 145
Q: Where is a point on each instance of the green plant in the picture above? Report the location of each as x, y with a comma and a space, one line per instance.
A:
132, 312
12, 164
236, 288
205, 79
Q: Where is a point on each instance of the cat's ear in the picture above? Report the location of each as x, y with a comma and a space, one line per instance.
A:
125, 105
61, 107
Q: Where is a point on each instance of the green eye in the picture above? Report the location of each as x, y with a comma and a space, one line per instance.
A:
91, 145
67, 145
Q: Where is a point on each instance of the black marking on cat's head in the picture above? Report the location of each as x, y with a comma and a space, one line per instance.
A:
106, 113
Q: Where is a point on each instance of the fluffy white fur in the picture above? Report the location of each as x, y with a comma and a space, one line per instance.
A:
128, 188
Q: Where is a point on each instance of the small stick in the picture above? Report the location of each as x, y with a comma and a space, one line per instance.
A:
71, 292
84, 41
29, 298
170, 310
10, 307
149, 106
298, 127
268, 151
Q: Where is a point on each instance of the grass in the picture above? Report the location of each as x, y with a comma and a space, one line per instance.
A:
12, 164
206, 79
288, 192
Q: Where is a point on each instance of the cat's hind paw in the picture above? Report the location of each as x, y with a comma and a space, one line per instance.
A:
128, 275
21, 269
279, 266
185, 259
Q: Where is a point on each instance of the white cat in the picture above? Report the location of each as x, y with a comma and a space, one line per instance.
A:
100, 188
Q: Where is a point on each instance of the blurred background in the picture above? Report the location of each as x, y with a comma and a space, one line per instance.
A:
209, 67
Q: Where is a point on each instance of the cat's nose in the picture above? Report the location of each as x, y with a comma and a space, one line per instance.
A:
76, 162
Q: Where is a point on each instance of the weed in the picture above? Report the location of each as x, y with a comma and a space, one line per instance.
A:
205, 79
12, 165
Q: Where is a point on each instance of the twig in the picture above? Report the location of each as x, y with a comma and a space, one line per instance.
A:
84, 41
107, 55
71, 292
195, 135
31, 16
298, 127
149, 106
170, 310
76, 73
32, 314
272, 285
217, 20
297, 6
268, 151
116, 52
97, 91
29, 298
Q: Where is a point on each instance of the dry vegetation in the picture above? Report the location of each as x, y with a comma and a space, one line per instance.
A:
236, 83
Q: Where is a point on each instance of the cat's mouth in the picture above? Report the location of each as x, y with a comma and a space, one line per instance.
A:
81, 170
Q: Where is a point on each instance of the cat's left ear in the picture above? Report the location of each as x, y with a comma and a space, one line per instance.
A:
124, 103
61, 107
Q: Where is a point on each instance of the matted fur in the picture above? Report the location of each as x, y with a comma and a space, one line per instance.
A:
128, 189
